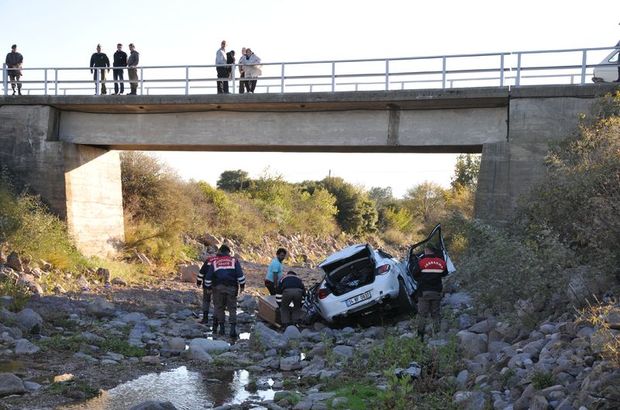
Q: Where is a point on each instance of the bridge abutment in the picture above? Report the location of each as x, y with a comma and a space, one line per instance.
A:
80, 184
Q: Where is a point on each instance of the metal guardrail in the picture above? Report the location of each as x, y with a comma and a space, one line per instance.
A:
504, 69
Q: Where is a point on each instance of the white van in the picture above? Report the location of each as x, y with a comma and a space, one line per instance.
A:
607, 72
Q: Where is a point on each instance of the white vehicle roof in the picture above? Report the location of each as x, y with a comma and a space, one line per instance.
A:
344, 253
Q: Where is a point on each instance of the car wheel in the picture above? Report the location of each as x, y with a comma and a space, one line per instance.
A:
405, 302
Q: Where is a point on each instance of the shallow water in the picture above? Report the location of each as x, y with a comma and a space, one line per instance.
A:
184, 388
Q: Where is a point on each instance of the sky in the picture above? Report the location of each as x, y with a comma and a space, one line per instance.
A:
64, 33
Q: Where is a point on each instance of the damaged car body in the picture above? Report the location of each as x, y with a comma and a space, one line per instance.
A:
360, 280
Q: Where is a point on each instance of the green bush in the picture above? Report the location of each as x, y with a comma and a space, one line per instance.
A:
29, 228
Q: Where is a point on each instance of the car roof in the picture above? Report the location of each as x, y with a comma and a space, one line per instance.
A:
345, 253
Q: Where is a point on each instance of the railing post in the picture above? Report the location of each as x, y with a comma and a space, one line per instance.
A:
186, 80
387, 75
55, 81
443, 72
45, 82
97, 83
584, 60
501, 70
233, 71
141, 81
282, 79
518, 78
5, 78
333, 76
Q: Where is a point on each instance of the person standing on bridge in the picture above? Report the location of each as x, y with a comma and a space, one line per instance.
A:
99, 59
132, 71
226, 278
243, 85
252, 68
222, 69
429, 272
120, 60
14, 60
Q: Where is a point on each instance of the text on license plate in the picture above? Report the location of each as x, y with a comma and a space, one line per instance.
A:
358, 298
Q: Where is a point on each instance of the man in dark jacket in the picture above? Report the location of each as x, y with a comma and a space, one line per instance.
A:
120, 60
99, 59
290, 289
206, 293
428, 273
225, 277
14, 60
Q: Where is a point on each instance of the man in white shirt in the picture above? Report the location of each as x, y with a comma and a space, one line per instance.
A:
222, 70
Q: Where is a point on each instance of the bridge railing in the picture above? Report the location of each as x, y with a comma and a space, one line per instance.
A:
504, 69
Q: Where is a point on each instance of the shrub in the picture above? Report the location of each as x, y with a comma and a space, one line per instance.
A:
32, 230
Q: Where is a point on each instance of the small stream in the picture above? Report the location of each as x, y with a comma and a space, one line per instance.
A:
184, 388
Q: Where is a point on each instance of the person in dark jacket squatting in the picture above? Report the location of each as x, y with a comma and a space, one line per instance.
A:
206, 293
429, 273
225, 277
290, 289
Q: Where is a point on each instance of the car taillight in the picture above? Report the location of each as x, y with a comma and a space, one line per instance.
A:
323, 293
383, 269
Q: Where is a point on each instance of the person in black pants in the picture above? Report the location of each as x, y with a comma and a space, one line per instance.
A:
222, 70
99, 61
120, 60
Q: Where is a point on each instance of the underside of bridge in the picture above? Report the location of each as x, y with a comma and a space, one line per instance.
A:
66, 148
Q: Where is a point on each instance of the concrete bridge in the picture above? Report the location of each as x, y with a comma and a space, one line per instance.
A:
66, 148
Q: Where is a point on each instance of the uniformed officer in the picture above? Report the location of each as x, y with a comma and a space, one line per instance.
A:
225, 276
206, 293
290, 289
429, 272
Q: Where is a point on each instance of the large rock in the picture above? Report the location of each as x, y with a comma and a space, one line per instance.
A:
458, 300
208, 346
343, 351
29, 320
154, 405
14, 262
100, 307
470, 400
290, 333
472, 344
11, 384
267, 337
290, 363
189, 273
23, 346
29, 282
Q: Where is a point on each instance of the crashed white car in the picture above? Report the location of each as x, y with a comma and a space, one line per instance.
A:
360, 280
607, 70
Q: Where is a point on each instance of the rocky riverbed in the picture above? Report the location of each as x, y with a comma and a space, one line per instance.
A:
116, 346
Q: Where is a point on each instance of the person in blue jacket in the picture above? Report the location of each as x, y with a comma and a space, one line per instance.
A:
225, 276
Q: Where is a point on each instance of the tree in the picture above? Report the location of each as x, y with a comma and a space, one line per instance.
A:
357, 214
466, 171
234, 181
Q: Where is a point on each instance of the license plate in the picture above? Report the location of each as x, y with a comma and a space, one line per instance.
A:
358, 298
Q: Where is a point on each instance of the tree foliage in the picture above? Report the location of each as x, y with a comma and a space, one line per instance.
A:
466, 171
357, 214
234, 181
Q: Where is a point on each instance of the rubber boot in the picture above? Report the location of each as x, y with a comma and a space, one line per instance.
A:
205, 318
215, 324
222, 331
233, 330
421, 335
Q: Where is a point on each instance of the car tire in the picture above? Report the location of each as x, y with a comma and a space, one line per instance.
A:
405, 302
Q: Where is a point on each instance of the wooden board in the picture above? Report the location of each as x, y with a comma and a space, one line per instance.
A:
268, 310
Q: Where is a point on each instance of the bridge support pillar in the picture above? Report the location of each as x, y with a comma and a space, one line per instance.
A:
80, 184
509, 169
